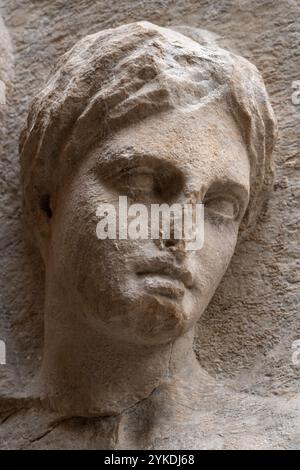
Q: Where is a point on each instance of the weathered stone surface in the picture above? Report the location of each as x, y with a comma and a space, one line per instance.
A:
6, 76
245, 337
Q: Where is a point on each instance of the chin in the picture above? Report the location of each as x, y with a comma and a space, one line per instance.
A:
147, 315
157, 319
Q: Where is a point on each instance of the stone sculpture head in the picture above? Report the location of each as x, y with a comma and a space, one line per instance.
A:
146, 112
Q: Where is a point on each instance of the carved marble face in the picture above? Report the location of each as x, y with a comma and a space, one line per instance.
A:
142, 291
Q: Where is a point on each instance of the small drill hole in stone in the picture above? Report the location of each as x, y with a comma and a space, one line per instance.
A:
45, 205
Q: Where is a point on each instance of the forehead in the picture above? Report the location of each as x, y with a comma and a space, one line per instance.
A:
204, 144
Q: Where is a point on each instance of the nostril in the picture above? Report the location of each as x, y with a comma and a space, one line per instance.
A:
169, 243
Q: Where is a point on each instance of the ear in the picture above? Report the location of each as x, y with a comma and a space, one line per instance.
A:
45, 205
43, 216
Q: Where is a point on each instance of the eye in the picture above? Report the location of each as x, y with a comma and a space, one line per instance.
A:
151, 180
138, 180
226, 207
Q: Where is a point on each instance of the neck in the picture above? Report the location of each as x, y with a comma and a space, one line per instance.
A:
85, 372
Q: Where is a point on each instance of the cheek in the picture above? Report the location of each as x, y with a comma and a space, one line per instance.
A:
215, 255
73, 241
90, 267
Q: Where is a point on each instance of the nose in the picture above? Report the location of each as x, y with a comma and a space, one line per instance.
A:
183, 225
171, 242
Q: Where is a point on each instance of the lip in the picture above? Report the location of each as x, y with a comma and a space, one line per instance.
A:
167, 271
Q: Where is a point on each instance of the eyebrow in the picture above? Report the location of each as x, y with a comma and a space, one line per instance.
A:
127, 153
128, 156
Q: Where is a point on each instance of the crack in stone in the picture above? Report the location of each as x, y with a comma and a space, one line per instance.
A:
48, 431
9, 415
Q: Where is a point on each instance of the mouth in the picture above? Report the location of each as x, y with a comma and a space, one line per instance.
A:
165, 278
